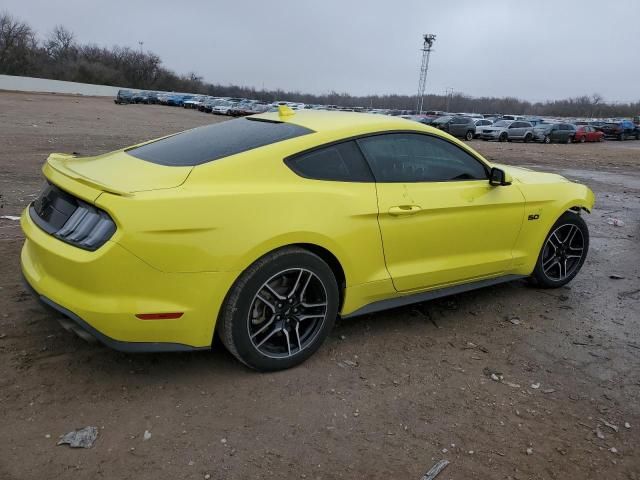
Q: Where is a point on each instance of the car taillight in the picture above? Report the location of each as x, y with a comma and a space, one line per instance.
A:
70, 219
87, 227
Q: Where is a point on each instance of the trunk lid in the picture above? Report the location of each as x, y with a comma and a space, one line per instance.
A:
118, 173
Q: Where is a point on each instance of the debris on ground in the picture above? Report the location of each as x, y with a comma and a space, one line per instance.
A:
435, 470
529, 451
535, 386
615, 276
627, 425
616, 222
147, 435
10, 217
82, 438
348, 363
488, 371
610, 425
599, 433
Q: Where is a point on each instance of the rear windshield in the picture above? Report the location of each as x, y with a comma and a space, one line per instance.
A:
219, 140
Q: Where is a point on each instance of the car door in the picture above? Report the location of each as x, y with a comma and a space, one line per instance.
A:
440, 220
516, 131
563, 132
457, 127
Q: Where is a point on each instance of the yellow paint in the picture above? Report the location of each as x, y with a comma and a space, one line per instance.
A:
186, 233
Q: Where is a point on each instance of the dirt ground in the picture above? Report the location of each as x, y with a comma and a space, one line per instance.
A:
386, 397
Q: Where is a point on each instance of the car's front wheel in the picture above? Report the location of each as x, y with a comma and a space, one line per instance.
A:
563, 252
469, 136
503, 137
280, 310
547, 139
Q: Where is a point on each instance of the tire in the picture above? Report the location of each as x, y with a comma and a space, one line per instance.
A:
469, 135
548, 272
269, 298
527, 138
569, 140
547, 139
637, 135
583, 139
503, 137
601, 138
622, 137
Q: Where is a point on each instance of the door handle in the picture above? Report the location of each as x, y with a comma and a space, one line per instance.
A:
404, 210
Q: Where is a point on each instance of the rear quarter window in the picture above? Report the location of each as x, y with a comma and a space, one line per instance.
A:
212, 142
342, 162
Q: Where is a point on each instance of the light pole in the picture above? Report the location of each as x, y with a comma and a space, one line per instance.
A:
428, 40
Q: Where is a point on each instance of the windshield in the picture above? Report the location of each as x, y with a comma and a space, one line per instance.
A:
502, 123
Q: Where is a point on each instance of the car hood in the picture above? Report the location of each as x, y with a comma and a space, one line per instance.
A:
118, 172
528, 176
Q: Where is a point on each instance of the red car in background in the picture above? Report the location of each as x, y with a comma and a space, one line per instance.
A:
587, 133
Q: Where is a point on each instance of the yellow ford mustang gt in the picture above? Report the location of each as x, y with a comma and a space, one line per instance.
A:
266, 228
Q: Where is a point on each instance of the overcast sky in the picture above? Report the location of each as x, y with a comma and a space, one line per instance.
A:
536, 50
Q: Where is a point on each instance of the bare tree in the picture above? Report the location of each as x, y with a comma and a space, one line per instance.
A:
60, 43
17, 43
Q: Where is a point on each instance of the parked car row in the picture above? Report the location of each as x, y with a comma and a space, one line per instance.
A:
501, 128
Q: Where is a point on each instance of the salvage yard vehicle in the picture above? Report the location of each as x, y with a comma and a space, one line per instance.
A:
123, 97
587, 133
555, 132
463, 127
264, 229
481, 122
508, 130
622, 130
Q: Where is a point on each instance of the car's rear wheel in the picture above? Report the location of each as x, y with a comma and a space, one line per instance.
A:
547, 139
583, 139
527, 138
469, 135
569, 139
563, 252
280, 310
503, 137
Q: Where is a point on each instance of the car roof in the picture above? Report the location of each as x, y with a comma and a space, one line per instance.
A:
336, 122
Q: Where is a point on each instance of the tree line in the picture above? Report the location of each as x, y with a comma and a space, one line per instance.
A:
59, 56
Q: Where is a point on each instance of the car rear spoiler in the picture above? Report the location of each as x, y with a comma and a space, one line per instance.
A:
56, 161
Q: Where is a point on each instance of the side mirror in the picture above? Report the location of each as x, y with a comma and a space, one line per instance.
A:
499, 177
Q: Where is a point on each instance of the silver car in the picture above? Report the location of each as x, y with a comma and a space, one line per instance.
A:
508, 130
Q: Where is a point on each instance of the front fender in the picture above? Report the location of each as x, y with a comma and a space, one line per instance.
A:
545, 203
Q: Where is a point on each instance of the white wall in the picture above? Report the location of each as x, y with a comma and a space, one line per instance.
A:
30, 84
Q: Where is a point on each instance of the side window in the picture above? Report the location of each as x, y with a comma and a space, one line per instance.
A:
407, 157
342, 162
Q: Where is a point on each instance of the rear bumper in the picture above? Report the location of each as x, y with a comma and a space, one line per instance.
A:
73, 323
101, 292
